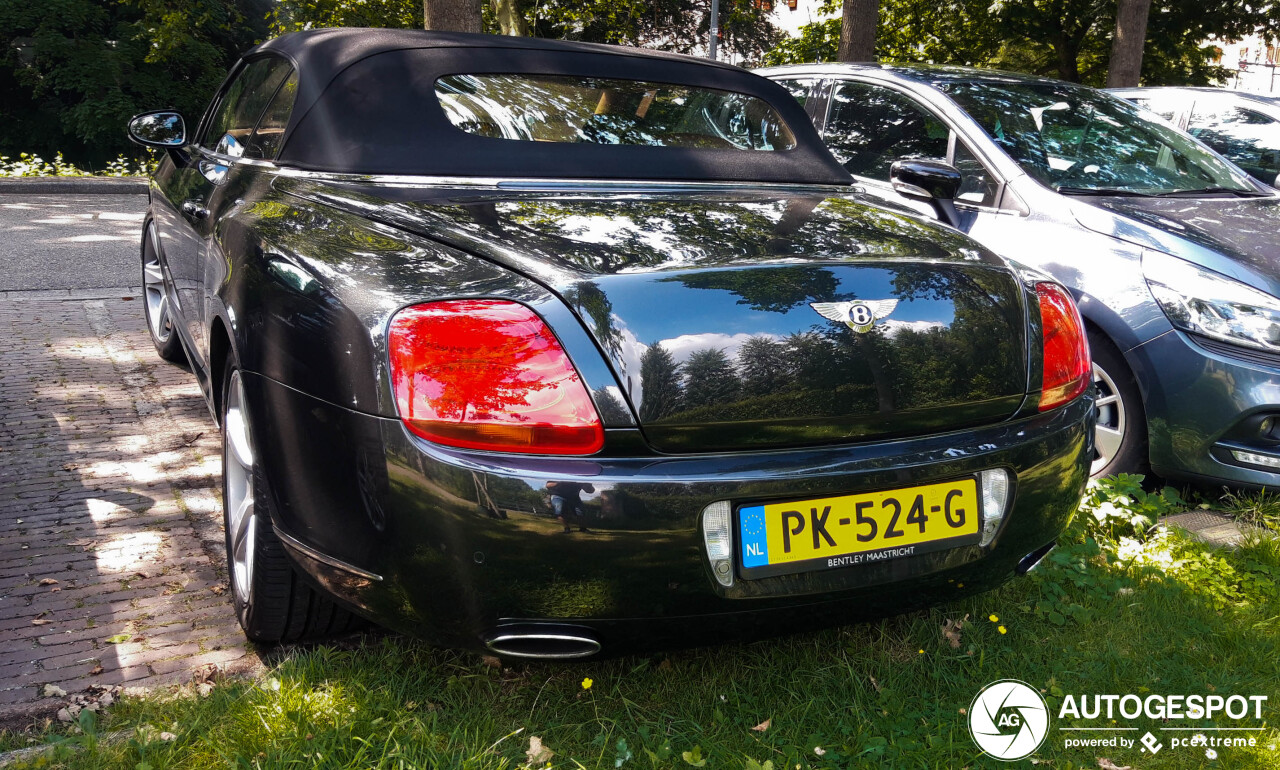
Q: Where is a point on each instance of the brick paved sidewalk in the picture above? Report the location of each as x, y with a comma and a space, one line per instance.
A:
110, 523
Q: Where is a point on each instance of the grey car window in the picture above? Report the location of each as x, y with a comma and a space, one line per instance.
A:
237, 112
977, 185
800, 89
1075, 139
1164, 107
1248, 138
275, 118
870, 127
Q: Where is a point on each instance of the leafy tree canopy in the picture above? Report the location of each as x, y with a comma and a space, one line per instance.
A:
72, 72
1068, 39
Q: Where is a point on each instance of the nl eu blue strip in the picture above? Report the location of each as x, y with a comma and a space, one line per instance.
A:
755, 543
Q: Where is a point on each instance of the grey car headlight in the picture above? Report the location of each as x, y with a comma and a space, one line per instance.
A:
1202, 302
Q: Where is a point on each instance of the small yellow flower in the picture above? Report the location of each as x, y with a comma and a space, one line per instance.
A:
586, 683
959, 585
922, 652
993, 618
1002, 629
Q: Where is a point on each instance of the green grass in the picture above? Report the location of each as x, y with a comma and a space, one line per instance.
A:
1151, 614
1260, 509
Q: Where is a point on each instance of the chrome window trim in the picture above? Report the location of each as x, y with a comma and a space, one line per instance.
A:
539, 184
533, 184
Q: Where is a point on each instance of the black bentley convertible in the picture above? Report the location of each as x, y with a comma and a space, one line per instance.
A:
552, 348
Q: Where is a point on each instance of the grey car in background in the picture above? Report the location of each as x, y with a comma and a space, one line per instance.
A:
1171, 250
1241, 126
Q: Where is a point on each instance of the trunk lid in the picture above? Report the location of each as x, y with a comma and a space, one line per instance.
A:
704, 305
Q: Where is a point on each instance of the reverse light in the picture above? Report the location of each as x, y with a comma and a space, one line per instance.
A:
1211, 304
489, 374
994, 485
1067, 368
716, 537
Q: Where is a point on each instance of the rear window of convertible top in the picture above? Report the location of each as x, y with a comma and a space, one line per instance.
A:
571, 109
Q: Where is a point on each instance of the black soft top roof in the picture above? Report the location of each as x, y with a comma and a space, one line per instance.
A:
366, 104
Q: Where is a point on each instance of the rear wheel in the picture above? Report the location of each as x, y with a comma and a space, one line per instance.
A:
1120, 438
273, 603
156, 302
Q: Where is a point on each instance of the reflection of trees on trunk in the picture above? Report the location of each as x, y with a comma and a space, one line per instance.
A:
709, 379
769, 289
660, 376
830, 372
610, 407
605, 235
589, 301
762, 365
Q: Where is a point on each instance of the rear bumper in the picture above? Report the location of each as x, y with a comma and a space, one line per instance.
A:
1200, 404
452, 544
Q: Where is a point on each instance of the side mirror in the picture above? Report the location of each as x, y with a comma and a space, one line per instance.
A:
932, 181
161, 128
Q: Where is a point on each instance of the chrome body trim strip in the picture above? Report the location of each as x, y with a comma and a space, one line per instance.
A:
298, 545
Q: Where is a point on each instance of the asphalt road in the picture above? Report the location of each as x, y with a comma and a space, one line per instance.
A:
70, 241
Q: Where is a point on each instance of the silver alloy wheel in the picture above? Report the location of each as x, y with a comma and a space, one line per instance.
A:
237, 458
1109, 433
155, 295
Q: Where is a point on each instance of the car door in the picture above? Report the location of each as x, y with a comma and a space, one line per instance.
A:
225, 138
868, 126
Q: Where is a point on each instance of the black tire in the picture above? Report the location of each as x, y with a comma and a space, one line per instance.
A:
1125, 414
278, 604
163, 335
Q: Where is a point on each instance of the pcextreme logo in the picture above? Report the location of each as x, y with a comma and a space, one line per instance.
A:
1008, 720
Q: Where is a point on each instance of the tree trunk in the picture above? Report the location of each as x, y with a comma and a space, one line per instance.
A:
1068, 56
1125, 67
452, 15
858, 30
510, 19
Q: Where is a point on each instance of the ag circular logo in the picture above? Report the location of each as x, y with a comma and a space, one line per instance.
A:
1008, 719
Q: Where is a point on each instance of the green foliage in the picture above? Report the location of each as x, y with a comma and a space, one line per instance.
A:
33, 165
1070, 39
1118, 506
1259, 509
673, 25
818, 41
293, 15
72, 72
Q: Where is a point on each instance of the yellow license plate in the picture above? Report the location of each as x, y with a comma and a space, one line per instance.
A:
857, 529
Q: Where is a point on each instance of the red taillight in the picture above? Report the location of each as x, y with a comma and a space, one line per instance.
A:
489, 374
1067, 370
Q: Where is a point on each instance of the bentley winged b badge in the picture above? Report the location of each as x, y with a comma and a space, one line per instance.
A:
858, 315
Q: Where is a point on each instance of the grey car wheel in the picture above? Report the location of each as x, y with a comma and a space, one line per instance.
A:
1120, 438
1112, 420
238, 501
273, 601
156, 300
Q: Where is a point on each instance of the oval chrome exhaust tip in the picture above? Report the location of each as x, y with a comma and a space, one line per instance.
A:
544, 641
1030, 561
